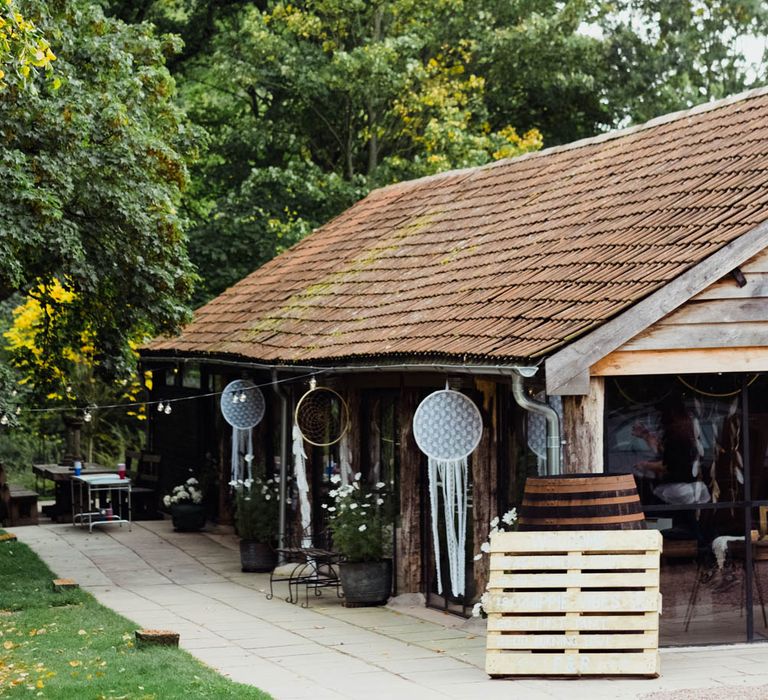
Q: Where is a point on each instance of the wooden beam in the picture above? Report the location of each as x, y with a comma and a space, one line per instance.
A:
682, 361
700, 335
583, 430
579, 355
409, 554
485, 467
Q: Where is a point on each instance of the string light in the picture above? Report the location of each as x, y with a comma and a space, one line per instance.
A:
87, 416
162, 406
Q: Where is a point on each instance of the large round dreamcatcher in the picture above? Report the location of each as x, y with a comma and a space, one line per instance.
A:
447, 427
242, 405
322, 416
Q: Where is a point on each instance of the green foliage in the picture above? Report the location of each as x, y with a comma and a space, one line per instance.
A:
93, 165
256, 509
309, 105
67, 646
23, 48
357, 518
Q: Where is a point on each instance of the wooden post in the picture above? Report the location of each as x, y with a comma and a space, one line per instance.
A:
409, 556
583, 430
484, 481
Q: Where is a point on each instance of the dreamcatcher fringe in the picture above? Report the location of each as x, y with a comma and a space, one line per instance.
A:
300, 471
242, 446
345, 460
452, 474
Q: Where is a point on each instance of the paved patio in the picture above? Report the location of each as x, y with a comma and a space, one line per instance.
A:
192, 583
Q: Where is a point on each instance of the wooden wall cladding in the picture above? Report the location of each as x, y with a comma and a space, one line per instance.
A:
574, 603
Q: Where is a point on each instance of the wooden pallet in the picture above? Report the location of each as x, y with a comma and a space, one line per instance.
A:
574, 603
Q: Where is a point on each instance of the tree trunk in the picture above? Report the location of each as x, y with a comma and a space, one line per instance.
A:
583, 429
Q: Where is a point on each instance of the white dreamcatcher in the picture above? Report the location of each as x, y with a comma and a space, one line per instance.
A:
447, 427
242, 405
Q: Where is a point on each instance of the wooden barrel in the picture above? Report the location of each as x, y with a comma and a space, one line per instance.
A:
581, 502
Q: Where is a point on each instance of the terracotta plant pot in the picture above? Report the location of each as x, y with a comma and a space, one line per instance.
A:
257, 556
366, 582
188, 517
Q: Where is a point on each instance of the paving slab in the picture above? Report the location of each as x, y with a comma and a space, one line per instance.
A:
192, 583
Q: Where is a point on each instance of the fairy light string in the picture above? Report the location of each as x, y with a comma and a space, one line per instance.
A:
162, 405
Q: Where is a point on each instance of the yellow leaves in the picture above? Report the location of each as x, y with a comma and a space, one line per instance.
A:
8, 644
75, 663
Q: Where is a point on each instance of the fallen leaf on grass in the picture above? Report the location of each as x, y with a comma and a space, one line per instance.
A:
8, 645
82, 632
74, 663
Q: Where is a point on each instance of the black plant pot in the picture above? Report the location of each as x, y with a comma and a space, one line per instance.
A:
188, 517
257, 556
366, 582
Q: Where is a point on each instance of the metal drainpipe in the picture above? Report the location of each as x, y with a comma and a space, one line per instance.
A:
283, 457
554, 457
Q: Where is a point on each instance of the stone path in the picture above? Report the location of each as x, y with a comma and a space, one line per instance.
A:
192, 583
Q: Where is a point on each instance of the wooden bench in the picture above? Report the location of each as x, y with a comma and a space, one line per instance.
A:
20, 505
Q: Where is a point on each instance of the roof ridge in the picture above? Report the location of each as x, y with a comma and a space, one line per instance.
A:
588, 141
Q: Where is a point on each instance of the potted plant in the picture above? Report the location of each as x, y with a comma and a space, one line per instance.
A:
358, 524
186, 505
256, 517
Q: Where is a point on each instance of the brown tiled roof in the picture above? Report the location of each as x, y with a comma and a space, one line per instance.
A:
505, 262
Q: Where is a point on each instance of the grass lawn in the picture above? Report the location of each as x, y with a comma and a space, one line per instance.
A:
65, 645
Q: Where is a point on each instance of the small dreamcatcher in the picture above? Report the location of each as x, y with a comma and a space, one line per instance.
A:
322, 419
447, 427
322, 416
243, 406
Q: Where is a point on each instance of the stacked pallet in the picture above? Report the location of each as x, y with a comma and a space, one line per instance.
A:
574, 603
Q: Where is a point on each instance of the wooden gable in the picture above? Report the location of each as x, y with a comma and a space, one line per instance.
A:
723, 328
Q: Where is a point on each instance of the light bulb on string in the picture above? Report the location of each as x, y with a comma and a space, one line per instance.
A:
4, 420
167, 409
87, 415
160, 407
18, 410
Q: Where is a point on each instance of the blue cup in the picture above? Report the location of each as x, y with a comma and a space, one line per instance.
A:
78, 468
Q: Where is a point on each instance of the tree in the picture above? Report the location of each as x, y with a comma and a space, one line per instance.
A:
23, 48
92, 167
309, 105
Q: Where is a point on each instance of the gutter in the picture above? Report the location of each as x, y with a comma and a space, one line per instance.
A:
554, 456
446, 368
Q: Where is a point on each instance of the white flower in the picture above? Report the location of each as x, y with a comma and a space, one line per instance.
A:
363, 527
233, 483
358, 475
380, 485
369, 495
289, 501
495, 522
248, 483
268, 497
335, 479
366, 505
248, 457
478, 557
331, 509
192, 481
485, 547
509, 517
332, 493
352, 506
476, 608
323, 505
167, 500
379, 501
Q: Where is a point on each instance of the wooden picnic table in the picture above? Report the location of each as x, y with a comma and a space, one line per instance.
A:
61, 475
